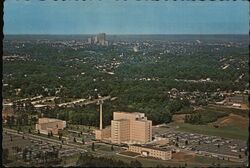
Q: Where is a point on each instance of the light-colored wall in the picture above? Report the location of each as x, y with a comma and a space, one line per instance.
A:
138, 131
46, 125
126, 115
120, 131
103, 134
124, 128
133, 127
98, 134
141, 131
164, 155
106, 133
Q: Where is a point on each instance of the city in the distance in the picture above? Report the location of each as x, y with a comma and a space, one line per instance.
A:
115, 97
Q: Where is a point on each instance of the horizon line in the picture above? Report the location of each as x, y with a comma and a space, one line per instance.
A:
127, 34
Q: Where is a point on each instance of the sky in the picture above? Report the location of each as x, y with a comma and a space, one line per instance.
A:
126, 17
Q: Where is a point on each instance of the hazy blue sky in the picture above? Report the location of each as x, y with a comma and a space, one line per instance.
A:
125, 17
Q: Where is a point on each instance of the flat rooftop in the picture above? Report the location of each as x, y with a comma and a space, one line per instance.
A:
48, 120
128, 112
150, 146
121, 120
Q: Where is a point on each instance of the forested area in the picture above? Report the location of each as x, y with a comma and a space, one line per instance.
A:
140, 80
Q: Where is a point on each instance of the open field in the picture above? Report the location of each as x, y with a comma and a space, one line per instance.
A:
70, 161
233, 120
238, 111
181, 156
226, 132
178, 118
245, 106
211, 113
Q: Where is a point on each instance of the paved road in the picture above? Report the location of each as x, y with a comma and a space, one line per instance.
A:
86, 102
36, 137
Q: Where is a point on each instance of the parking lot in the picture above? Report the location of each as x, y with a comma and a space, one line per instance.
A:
87, 137
213, 146
37, 151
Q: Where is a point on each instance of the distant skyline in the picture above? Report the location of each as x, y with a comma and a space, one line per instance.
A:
126, 17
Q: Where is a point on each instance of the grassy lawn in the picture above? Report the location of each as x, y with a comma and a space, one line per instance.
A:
79, 128
147, 162
24, 128
70, 160
212, 113
226, 132
197, 161
104, 148
122, 158
242, 112
208, 160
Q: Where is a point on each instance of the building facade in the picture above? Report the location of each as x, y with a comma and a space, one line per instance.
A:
7, 112
237, 99
149, 151
101, 38
120, 131
50, 125
130, 128
103, 134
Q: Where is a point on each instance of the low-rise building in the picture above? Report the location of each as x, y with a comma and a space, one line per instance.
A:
236, 105
103, 134
151, 151
237, 99
50, 125
7, 111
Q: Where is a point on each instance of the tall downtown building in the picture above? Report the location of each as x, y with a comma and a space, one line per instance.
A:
98, 39
130, 128
101, 38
